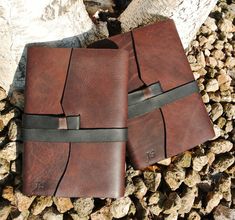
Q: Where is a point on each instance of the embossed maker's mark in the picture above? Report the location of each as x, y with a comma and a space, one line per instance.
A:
150, 155
39, 186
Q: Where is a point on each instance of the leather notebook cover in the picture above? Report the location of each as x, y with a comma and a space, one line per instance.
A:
166, 112
75, 122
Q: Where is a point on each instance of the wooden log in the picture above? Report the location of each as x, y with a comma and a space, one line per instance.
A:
45, 22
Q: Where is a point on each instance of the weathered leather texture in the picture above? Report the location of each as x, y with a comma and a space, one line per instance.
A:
156, 55
68, 82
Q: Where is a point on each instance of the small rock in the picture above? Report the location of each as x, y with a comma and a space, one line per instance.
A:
174, 176
156, 203
218, 54
208, 108
130, 188
220, 146
3, 105
199, 162
191, 59
140, 187
120, 207
229, 126
216, 111
221, 122
3, 94
172, 203
195, 66
8, 194
130, 173
211, 23
17, 99
165, 162
172, 216
214, 96
217, 131
201, 59
102, 214
183, 160
194, 216
202, 72
83, 206
229, 110
11, 151
40, 204
224, 81
152, 180
207, 52
213, 199
212, 85
223, 213
230, 62
195, 43
224, 187
187, 200
50, 215
192, 178
63, 204
223, 162
23, 202
212, 62
4, 166
4, 212
4, 119
23, 216
155, 198
77, 217
205, 97
211, 158
14, 130
219, 44
225, 25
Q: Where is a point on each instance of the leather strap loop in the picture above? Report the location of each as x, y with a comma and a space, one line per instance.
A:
147, 105
81, 135
49, 128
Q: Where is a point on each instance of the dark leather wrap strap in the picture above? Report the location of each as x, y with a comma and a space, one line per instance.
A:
48, 128
144, 106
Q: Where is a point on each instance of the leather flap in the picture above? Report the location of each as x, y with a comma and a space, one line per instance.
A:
161, 57
45, 79
96, 88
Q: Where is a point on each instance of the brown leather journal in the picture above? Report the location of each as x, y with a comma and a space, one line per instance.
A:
165, 110
74, 122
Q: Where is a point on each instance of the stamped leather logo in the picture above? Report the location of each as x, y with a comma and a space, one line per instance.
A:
39, 186
150, 155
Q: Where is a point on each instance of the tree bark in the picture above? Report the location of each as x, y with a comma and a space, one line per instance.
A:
45, 22
188, 15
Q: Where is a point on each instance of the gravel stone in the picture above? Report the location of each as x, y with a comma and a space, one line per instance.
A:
11, 151
223, 162
220, 146
63, 204
223, 213
216, 111
120, 207
40, 204
212, 85
199, 162
83, 206
174, 176
213, 200
192, 178
152, 180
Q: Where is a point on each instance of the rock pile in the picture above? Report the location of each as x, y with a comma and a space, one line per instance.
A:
198, 184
